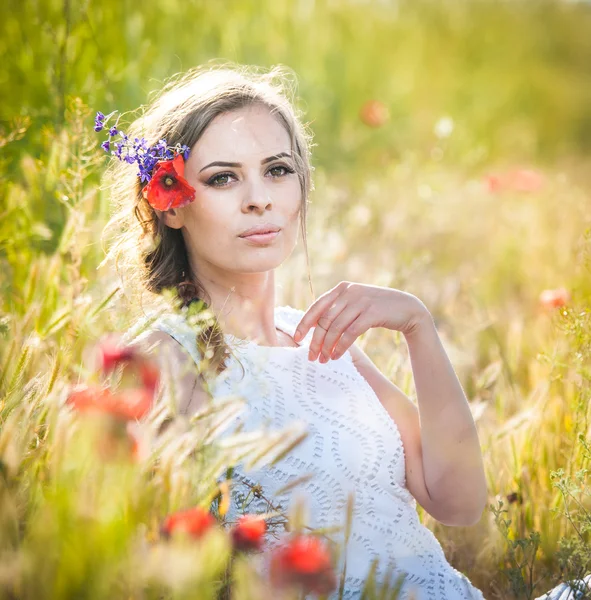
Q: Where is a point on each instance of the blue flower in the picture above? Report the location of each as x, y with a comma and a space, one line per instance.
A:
138, 152
149, 161
144, 174
99, 121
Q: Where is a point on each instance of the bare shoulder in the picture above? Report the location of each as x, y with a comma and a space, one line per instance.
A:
406, 416
172, 359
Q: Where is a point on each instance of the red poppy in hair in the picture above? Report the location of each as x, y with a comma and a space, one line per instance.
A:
167, 188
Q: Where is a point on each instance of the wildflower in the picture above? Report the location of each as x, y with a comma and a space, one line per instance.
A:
518, 180
132, 404
172, 190
149, 375
112, 355
248, 533
119, 149
305, 562
167, 187
99, 121
374, 113
84, 398
550, 299
193, 521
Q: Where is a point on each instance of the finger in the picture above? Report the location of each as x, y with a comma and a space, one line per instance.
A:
338, 327
322, 326
355, 329
317, 309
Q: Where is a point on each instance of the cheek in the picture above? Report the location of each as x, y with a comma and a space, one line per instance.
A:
292, 197
208, 224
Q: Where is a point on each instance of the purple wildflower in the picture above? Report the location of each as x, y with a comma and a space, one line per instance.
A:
138, 152
99, 121
144, 174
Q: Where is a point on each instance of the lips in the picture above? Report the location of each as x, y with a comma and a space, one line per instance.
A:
260, 229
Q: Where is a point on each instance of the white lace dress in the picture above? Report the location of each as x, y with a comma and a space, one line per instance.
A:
353, 445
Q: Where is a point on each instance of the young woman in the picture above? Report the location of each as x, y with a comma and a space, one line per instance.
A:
215, 228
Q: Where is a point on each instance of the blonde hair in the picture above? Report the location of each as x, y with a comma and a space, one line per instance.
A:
152, 256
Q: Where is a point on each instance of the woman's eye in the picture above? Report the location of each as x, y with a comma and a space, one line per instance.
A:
284, 168
219, 180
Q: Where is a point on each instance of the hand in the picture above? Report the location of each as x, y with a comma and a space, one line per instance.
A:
342, 314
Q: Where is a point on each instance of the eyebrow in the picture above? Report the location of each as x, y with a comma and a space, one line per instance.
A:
220, 163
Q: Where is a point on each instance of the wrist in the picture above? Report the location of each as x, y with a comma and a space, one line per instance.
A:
421, 322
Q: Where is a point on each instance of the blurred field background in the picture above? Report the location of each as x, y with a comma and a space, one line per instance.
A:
452, 160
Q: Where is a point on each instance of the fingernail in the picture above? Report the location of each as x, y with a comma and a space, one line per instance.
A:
297, 335
310, 355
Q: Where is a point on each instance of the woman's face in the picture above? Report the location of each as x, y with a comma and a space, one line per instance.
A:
254, 187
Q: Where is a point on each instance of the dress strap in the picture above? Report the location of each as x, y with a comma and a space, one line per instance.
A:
173, 324
287, 319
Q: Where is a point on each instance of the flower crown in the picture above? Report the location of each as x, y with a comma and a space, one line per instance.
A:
161, 166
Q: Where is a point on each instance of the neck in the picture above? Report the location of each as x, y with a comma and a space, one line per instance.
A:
243, 303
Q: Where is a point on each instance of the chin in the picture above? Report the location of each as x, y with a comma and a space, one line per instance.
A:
259, 262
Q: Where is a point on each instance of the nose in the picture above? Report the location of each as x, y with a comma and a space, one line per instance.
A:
256, 196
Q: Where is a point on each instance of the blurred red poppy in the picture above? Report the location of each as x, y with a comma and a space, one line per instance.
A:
132, 404
518, 180
374, 113
194, 521
248, 533
551, 299
149, 375
304, 562
111, 355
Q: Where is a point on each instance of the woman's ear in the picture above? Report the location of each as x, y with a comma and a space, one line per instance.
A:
171, 218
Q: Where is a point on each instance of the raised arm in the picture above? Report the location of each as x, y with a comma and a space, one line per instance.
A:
444, 469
